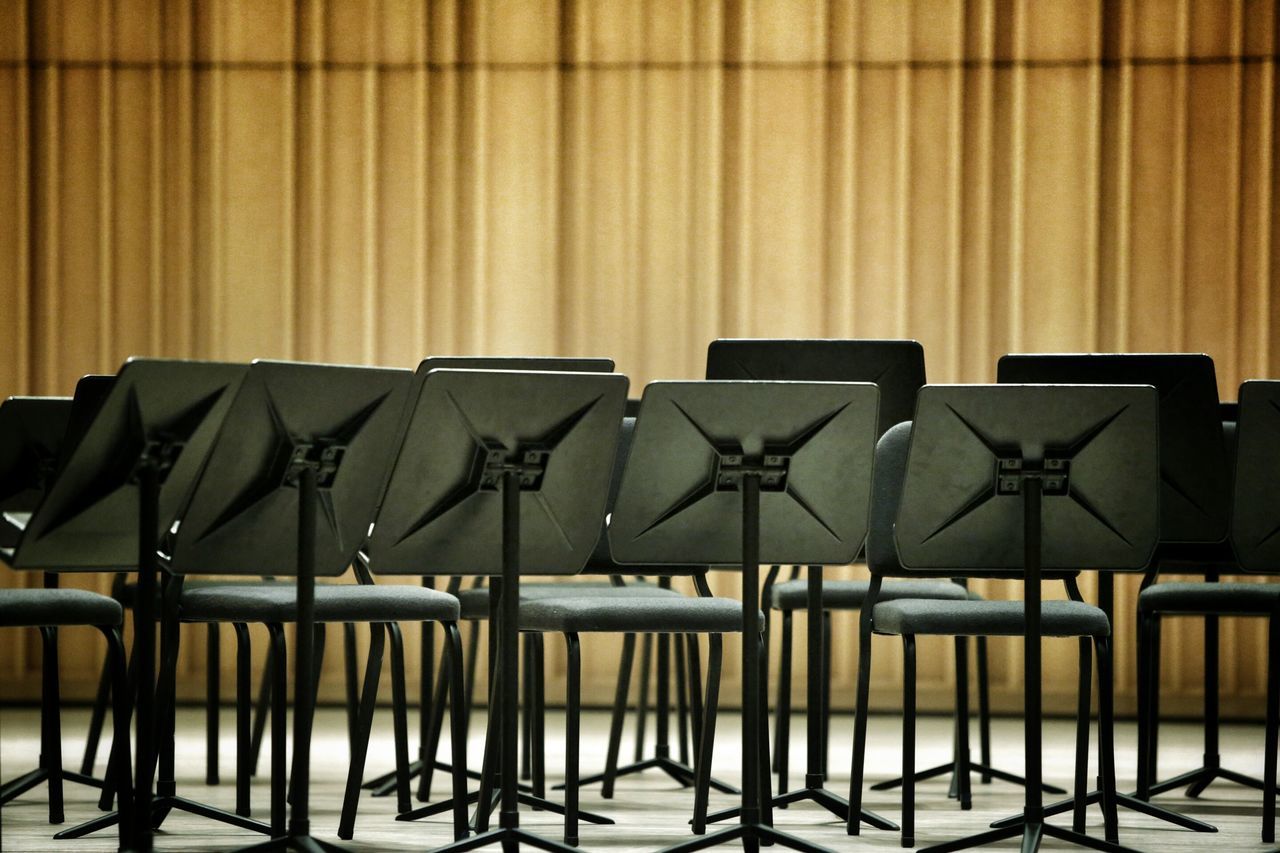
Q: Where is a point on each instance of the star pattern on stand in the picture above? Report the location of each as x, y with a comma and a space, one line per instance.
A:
470, 485
135, 437
1067, 452
720, 449
271, 479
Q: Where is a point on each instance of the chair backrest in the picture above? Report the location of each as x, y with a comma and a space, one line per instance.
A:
1096, 449
243, 516
1195, 493
895, 366
1255, 517
31, 431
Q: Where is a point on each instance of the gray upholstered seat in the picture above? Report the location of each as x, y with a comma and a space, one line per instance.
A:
987, 618
475, 601
849, 594
1217, 598
40, 608
638, 613
273, 603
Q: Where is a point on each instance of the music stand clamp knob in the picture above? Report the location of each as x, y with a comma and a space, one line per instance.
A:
1052, 472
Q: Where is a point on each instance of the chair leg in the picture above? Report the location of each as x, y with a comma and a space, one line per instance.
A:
619, 716
782, 738
279, 695
213, 702
1106, 739
400, 718
472, 661
351, 673
706, 743
262, 708
457, 730
526, 707
364, 726
573, 710
1153, 696
642, 708
908, 740
960, 774
51, 715
426, 675
244, 685
695, 689
1273, 731
682, 698
118, 771
97, 719
826, 691
538, 732
1144, 706
1084, 705
984, 711
854, 826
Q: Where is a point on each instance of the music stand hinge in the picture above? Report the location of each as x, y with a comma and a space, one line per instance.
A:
1012, 472
770, 468
529, 463
322, 456
158, 454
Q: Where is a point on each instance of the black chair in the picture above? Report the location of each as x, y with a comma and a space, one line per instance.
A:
633, 610
946, 501
520, 465
1254, 523
240, 518
897, 367
32, 431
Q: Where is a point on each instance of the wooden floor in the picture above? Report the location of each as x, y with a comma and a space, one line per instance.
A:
650, 810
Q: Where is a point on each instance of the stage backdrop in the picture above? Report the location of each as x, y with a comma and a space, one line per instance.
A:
375, 182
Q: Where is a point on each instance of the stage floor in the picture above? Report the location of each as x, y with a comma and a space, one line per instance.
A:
651, 811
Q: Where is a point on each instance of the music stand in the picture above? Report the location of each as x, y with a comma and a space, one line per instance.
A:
528, 454
120, 487
290, 488
1254, 528
431, 709
1072, 468
31, 433
724, 473
1195, 503
898, 370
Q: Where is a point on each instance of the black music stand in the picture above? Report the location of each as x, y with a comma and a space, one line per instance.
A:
431, 711
290, 487
1195, 502
724, 473
897, 368
119, 489
31, 433
528, 454
1255, 537
1073, 469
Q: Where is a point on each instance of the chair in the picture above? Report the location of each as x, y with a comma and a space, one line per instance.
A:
897, 368
32, 431
248, 502
946, 501
574, 609
520, 466
1254, 522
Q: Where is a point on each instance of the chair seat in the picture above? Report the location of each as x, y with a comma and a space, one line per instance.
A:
1218, 598
636, 613
40, 608
987, 618
475, 601
849, 594
274, 603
